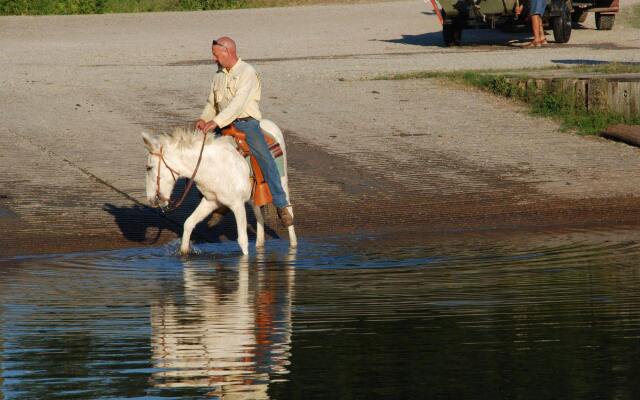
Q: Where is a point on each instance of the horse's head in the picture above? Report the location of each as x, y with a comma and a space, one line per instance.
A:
161, 179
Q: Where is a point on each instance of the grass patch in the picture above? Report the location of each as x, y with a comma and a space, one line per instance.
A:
609, 68
48, 7
550, 101
604, 68
632, 16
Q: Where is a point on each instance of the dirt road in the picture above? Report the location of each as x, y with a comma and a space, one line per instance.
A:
76, 92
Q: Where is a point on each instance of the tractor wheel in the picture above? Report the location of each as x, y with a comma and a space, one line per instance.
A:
604, 22
562, 24
452, 34
447, 34
579, 16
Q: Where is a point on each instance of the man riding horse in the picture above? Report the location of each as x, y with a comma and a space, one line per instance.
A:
233, 99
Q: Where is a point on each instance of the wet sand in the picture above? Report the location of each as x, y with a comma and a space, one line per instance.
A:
365, 156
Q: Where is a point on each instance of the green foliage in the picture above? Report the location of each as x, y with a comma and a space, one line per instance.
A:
552, 102
41, 7
500, 85
44, 7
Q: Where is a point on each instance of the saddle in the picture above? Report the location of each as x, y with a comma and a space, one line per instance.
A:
260, 193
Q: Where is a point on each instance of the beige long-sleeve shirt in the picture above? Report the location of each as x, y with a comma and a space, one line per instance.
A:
234, 94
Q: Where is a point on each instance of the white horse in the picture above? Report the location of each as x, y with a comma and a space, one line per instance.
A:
222, 178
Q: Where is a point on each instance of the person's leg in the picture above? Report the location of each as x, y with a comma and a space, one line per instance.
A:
536, 22
259, 148
543, 39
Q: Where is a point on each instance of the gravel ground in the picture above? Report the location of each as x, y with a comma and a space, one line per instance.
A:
76, 92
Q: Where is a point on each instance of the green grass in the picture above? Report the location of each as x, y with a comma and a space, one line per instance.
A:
605, 68
550, 102
47, 7
632, 16
609, 68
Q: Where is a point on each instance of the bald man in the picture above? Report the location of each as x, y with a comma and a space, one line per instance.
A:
233, 99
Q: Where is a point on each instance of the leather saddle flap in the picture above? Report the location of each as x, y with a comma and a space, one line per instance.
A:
243, 147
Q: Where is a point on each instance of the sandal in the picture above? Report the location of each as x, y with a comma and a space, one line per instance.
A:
531, 44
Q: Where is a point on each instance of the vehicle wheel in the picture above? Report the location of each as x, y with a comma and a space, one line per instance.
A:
604, 22
583, 16
562, 24
447, 34
452, 34
457, 33
579, 16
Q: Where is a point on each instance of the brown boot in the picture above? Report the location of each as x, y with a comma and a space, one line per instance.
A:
285, 216
217, 216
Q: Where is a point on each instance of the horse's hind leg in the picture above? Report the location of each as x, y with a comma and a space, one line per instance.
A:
259, 225
241, 223
204, 208
293, 239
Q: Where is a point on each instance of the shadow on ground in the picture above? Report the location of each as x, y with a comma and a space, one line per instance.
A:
591, 62
142, 224
470, 37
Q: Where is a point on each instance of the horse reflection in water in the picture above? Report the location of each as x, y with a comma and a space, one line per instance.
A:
231, 332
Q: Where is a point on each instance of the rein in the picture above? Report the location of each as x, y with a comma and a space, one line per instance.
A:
174, 174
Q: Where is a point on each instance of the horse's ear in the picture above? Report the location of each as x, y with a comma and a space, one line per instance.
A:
149, 141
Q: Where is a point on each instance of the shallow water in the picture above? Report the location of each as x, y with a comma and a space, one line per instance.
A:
535, 316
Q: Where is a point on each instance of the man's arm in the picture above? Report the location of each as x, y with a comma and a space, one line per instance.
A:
209, 111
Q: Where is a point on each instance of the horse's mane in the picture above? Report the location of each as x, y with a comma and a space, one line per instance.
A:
185, 138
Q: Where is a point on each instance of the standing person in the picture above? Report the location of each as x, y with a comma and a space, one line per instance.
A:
233, 99
536, 12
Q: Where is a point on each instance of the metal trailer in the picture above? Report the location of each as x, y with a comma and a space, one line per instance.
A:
604, 10
457, 15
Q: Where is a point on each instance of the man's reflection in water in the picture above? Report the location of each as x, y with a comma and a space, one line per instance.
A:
231, 331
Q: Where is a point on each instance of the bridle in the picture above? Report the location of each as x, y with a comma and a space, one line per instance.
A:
175, 175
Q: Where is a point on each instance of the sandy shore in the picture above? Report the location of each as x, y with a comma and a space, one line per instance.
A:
366, 155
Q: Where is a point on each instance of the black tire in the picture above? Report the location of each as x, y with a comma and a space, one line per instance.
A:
579, 16
583, 17
604, 22
447, 34
452, 33
562, 24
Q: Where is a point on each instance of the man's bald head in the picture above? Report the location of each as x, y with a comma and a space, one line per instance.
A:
227, 42
224, 52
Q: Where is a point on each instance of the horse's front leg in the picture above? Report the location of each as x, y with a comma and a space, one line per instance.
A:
204, 208
241, 223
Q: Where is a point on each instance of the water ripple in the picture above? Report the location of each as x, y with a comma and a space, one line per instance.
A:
376, 316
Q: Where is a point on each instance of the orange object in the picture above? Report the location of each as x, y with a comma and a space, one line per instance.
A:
436, 9
260, 192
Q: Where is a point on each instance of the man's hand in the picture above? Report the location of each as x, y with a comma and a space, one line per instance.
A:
518, 9
209, 126
200, 124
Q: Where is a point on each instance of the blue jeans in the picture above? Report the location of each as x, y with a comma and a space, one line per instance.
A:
538, 7
260, 149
